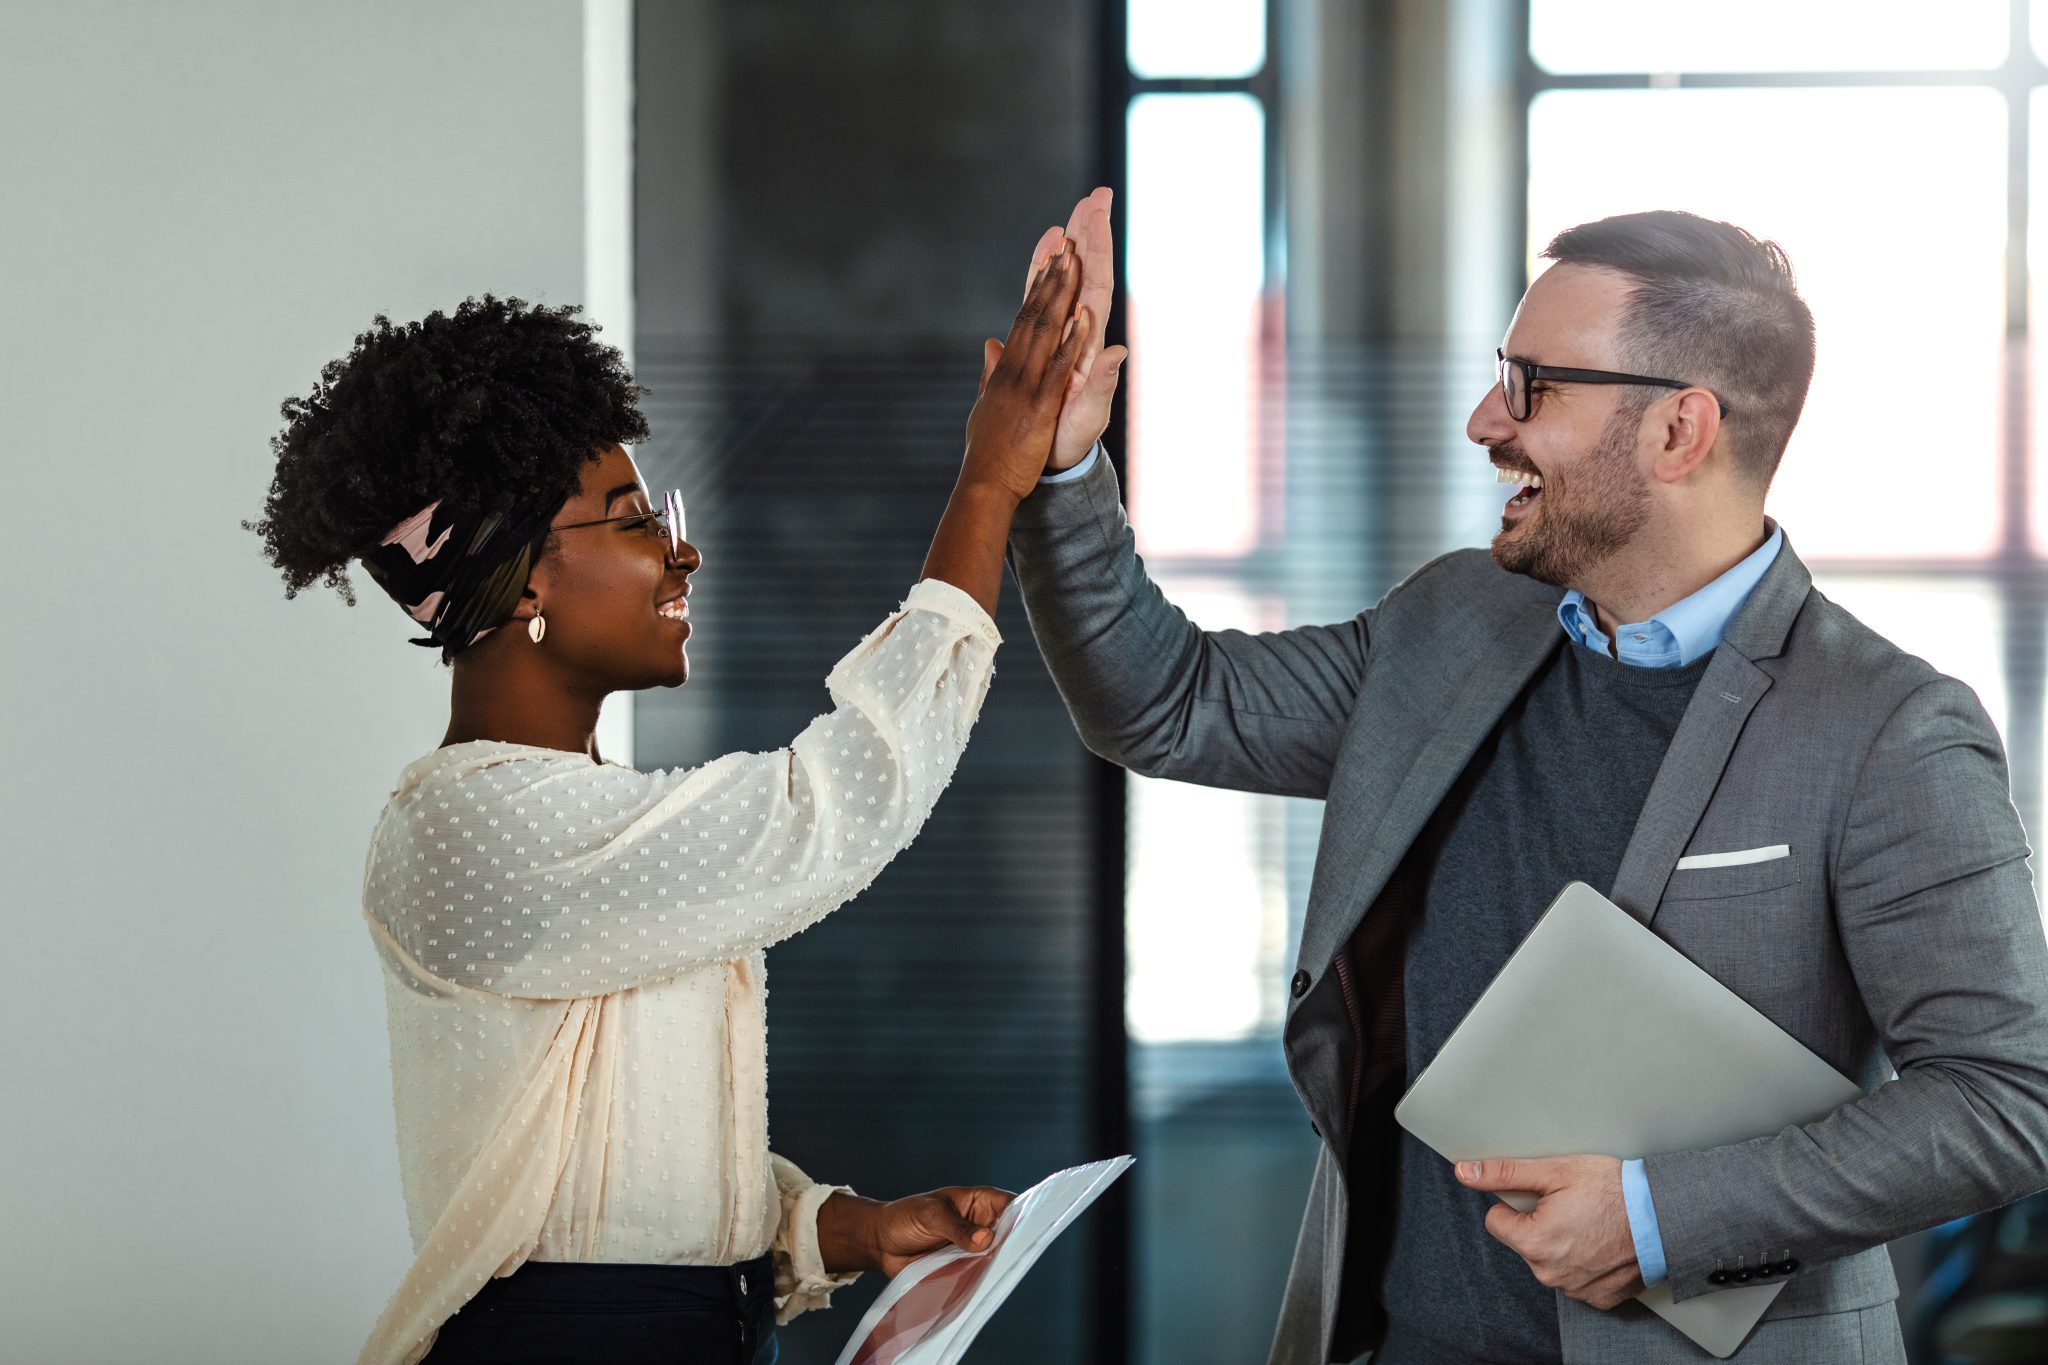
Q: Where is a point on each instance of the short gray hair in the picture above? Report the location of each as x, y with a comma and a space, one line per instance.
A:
1713, 306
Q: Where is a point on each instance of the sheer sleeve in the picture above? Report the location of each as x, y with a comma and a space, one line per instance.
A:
549, 877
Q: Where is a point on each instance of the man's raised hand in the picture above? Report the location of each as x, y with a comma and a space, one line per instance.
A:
1024, 382
1091, 386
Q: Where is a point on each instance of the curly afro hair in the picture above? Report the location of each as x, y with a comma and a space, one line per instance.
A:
501, 396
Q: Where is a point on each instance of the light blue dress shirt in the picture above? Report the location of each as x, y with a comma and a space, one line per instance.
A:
1079, 471
1686, 630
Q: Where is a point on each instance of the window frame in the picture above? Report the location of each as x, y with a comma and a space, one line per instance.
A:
2015, 570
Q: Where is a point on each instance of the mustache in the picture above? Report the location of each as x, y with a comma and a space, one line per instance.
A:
1509, 456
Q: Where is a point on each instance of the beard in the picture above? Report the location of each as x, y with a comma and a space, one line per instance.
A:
1582, 520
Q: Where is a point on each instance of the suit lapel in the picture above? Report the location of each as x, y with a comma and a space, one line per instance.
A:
1398, 771
1686, 779
1698, 755
1395, 772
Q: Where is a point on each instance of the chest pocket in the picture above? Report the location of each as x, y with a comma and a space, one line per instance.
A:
1740, 879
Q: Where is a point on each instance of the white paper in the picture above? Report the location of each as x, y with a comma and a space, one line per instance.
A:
932, 1310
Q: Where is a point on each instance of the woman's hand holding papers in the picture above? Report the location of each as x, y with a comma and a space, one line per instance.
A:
1577, 1237
864, 1234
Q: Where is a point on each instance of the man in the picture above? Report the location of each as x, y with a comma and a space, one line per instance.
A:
1640, 671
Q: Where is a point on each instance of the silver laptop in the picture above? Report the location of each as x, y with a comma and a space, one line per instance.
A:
1598, 1036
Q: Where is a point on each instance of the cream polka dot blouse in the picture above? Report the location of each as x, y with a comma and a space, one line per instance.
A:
574, 975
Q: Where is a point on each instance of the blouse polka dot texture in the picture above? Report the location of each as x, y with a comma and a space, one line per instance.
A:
574, 974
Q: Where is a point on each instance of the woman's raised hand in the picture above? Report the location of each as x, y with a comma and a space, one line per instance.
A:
1092, 388
1024, 382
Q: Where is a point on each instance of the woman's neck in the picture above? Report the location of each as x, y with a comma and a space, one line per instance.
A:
500, 700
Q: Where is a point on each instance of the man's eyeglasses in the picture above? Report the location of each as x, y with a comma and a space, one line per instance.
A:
669, 521
1518, 379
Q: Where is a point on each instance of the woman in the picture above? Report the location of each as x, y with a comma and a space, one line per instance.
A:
573, 949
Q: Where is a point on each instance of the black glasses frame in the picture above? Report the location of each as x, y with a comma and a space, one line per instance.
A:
671, 519
1564, 374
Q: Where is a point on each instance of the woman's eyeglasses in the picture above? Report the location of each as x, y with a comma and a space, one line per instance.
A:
669, 521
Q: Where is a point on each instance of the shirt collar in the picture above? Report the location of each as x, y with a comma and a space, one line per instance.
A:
1686, 630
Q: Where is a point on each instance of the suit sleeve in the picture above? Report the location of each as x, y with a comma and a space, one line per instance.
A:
1935, 907
1150, 690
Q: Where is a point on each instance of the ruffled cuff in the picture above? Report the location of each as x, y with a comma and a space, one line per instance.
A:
938, 596
801, 1281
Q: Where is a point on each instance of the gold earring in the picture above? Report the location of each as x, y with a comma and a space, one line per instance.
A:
537, 627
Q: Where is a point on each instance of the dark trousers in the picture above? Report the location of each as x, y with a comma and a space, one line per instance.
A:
562, 1313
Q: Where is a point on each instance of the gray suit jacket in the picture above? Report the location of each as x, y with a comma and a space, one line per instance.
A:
1902, 932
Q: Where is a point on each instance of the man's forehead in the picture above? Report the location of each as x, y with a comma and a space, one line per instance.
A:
1569, 317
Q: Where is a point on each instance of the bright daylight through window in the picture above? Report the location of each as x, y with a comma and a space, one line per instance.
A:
1881, 154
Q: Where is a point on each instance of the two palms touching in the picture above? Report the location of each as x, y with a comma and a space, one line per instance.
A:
1084, 415
1578, 1238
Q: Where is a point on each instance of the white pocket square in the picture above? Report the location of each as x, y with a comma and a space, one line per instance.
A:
1737, 858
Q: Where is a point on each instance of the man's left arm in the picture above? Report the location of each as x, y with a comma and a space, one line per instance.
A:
1934, 903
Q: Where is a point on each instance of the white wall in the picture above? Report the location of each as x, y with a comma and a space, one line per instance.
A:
200, 203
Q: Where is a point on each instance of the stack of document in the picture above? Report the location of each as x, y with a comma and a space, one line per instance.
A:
932, 1309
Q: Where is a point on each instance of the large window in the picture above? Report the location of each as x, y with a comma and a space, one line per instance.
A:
1210, 914
1196, 285
1890, 149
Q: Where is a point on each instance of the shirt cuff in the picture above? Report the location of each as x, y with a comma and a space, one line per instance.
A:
943, 598
1642, 1223
801, 1280
1079, 471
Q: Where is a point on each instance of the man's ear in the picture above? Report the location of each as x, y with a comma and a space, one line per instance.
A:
1692, 424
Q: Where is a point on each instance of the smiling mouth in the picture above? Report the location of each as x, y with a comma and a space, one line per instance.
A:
675, 609
1529, 482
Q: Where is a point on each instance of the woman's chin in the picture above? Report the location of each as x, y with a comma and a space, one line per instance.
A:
673, 651
659, 668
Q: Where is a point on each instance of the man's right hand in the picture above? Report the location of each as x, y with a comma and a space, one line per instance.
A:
1024, 383
1092, 385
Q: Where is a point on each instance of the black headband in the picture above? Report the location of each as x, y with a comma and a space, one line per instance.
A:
460, 572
